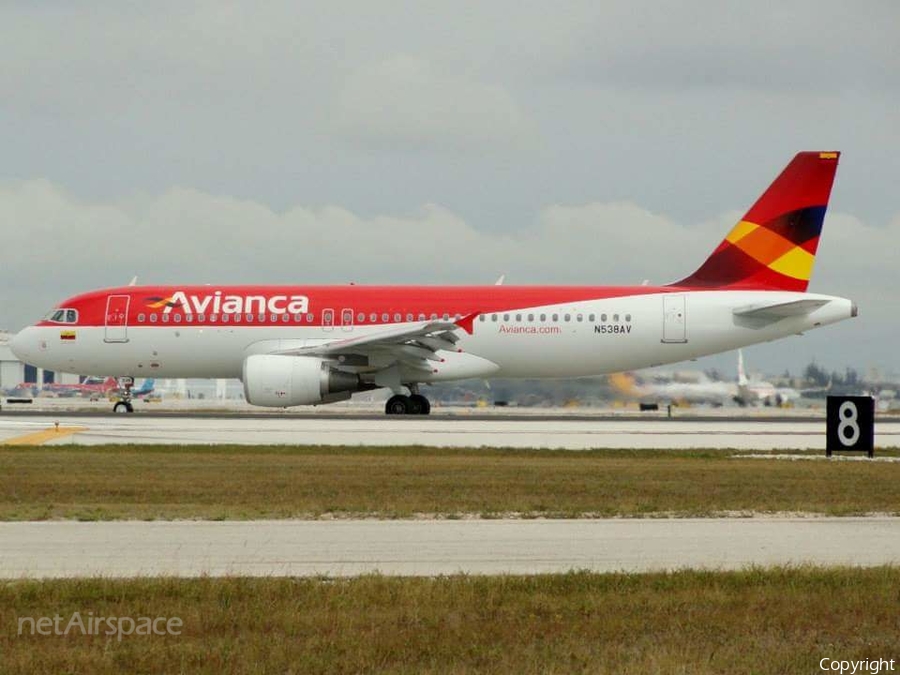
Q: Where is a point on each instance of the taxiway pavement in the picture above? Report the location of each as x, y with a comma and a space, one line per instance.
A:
58, 549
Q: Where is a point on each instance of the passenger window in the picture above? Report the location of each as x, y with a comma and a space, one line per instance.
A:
189, 318
556, 317
273, 318
421, 317
398, 318
543, 318
591, 318
261, 318
285, 318
531, 317
298, 318
481, 318
578, 317
373, 318
603, 317
141, 318
177, 318
615, 317
200, 318
225, 318
310, 318
249, 318
433, 316
213, 318
165, 318
506, 317
409, 317
568, 317
628, 318
446, 316
493, 317
518, 317
154, 318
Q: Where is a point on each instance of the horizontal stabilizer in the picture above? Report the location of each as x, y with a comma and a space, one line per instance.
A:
780, 310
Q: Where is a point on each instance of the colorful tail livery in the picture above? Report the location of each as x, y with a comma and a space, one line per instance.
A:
774, 246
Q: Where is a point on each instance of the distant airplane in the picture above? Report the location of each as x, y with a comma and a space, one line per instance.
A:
743, 391
145, 390
90, 387
309, 345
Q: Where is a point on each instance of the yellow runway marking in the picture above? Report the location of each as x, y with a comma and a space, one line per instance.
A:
41, 437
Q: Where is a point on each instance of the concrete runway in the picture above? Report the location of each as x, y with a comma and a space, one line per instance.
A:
424, 548
438, 431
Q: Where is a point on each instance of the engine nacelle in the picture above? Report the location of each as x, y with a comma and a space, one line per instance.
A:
279, 381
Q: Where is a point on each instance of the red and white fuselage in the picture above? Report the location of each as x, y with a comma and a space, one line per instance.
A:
516, 331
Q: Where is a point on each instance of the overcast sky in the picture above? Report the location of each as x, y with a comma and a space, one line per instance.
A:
442, 142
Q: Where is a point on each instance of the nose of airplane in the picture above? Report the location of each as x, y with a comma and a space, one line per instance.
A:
19, 344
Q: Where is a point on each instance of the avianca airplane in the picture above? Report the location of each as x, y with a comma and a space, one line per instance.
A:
308, 345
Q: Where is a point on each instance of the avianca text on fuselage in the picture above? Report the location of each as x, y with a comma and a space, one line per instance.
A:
751, 289
217, 303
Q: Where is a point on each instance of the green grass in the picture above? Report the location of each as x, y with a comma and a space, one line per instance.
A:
236, 482
755, 621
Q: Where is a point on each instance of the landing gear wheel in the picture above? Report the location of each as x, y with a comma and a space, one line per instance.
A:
123, 407
397, 405
420, 405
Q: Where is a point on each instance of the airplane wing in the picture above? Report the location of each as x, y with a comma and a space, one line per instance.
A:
413, 344
780, 310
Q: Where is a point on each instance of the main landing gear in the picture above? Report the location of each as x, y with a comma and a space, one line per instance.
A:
407, 405
123, 404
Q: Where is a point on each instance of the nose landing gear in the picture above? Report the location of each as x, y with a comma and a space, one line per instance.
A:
123, 404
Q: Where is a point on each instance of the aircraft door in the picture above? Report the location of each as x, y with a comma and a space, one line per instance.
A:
347, 319
674, 319
327, 320
117, 318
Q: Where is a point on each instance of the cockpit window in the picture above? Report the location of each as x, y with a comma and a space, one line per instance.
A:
62, 316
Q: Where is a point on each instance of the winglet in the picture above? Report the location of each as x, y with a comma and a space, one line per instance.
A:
466, 323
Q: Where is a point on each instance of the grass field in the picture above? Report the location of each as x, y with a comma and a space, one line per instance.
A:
166, 482
755, 621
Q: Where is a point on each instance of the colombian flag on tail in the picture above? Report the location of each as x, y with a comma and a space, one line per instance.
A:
774, 245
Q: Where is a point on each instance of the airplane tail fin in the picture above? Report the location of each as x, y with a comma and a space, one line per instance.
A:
742, 374
773, 247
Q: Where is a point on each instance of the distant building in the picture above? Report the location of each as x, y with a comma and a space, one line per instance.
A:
12, 371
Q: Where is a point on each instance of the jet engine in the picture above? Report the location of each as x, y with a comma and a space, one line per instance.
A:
279, 381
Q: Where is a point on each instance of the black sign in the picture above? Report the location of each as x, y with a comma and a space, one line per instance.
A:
850, 424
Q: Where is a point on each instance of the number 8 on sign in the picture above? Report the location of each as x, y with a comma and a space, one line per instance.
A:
848, 428
850, 424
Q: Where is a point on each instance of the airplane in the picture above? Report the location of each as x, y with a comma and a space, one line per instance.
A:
146, 389
743, 391
312, 345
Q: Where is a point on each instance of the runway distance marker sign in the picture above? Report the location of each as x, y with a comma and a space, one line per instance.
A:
850, 425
